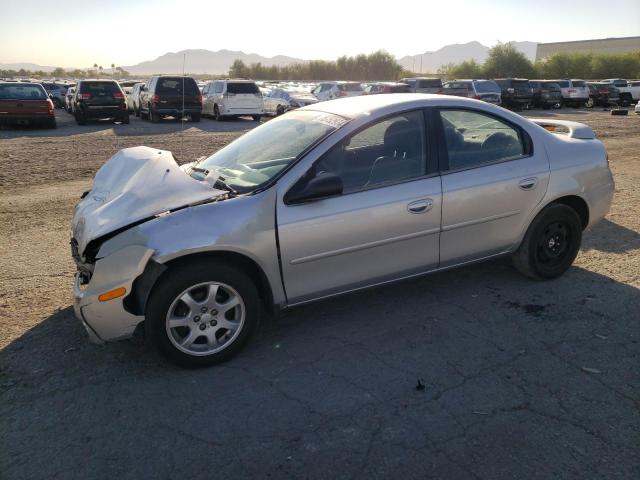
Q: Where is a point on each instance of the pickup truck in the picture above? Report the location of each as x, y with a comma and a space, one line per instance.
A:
629, 90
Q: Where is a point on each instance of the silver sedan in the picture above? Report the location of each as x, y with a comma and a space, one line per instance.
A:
321, 201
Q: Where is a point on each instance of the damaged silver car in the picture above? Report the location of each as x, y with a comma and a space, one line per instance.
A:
324, 200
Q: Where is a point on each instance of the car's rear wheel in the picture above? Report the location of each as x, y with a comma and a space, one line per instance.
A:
589, 103
195, 117
256, 118
202, 313
551, 243
279, 110
125, 119
216, 113
155, 118
80, 120
51, 123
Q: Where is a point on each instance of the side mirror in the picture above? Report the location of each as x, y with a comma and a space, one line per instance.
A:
321, 186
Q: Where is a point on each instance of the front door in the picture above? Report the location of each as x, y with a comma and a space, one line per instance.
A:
384, 226
491, 183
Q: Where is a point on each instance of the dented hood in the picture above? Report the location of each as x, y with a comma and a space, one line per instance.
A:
136, 183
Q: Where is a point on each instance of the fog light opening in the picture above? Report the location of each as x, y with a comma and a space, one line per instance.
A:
111, 294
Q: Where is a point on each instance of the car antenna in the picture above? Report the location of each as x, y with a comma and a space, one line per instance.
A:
184, 59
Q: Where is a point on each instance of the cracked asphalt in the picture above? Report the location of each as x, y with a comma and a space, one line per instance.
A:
475, 373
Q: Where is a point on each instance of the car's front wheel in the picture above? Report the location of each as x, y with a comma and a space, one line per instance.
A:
551, 244
202, 313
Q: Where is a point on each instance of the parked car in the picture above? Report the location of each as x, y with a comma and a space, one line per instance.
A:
99, 99
56, 92
485, 90
386, 87
26, 103
279, 101
423, 85
170, 96
68, 99
232, 98
629, 90
602, 95
331, 90
574, 92
324, 200
516, 93
133, 99
545, 94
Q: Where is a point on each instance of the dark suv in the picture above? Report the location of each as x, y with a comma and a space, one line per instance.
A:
545, 94
516, 92
170, 96
96, 99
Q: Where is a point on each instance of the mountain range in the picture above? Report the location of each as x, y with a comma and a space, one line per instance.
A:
199, 61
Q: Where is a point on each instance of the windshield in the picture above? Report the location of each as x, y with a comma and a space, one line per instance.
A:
259, 155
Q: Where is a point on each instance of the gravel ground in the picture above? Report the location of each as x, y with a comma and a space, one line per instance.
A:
473, 373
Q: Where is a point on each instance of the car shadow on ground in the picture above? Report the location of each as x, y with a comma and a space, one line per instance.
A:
66, 125
607, 236
400, 378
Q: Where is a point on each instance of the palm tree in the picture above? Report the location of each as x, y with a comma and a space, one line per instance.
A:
100, 70
95, 66
113, 71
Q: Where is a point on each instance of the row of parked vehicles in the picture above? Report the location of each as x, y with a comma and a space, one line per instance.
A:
181, 96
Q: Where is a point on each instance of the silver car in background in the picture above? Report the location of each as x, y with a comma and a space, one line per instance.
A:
485, 90
324, 200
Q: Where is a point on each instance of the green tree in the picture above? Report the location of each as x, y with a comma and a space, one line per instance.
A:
505, 60
466, 69
59, 72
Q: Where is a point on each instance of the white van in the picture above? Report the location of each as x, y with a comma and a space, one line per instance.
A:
232, 98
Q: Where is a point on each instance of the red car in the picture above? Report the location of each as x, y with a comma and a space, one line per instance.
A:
24, 103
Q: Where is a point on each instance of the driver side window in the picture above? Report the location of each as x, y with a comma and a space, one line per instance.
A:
387, 152
473, 139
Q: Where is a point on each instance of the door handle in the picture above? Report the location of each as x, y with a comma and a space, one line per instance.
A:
528, 183
420, 206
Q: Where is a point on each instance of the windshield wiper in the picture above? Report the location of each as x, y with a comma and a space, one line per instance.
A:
220, 183
199, 170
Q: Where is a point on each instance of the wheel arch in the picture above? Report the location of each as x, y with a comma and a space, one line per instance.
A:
578, 204
136, 301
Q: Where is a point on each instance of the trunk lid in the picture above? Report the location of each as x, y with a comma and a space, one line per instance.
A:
135, 184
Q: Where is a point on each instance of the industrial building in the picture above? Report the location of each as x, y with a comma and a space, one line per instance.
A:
601, 45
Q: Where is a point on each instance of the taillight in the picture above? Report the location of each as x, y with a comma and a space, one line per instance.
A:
199, 98
118, 95
155, 99
50, 106
84, 96
603, 90
477, 97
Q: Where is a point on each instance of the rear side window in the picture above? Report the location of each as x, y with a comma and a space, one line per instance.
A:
242, 87
430, 83
563, 84
551, 86
349, 87
400, 88
457, 85
174, 86
473, 138
99, 88
17, 91
578, 83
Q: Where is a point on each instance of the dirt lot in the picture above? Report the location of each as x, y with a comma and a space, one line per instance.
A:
521, 379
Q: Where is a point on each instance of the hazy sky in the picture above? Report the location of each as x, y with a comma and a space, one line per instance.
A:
73, 33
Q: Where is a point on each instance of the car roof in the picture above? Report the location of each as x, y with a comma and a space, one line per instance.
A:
353, 107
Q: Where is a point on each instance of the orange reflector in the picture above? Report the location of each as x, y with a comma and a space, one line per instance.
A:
550, 128
111, 294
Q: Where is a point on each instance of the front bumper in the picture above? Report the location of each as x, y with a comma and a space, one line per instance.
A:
108, 321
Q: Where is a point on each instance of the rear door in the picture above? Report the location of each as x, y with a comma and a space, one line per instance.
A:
492, 180
171, 89
97, 94
384, 226
243, 95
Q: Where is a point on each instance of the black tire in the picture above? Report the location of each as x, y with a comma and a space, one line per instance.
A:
279, 110
80, 120
144, 115
51, 123
619, 111
180, 278
216, 114
136, 111
153, 116
551, 243
195, 117
125, 120
256, 118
